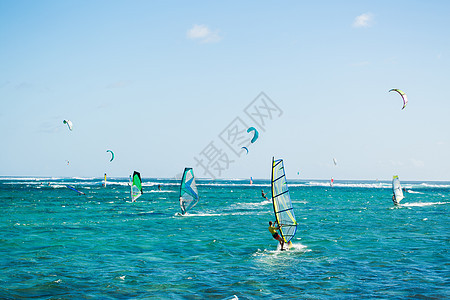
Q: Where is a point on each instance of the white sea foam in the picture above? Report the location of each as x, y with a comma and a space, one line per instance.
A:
414, 192
243, 205
224, 184
422, 204
377, 185
24, 178
58, 186
430, 185
201, 214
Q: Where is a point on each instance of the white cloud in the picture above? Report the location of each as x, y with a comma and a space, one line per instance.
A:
396, 163
364, 20
24, 86
361, 64
49, 127
118, 84
417, 163
4, 84
203, 34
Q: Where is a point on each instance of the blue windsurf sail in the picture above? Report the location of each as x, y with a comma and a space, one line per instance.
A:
75, 190
282, 205
188, 191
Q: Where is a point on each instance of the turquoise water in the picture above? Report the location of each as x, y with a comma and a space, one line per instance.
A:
351, 241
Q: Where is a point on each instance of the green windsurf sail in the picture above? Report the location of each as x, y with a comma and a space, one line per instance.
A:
188, 191
282, 205
136, 186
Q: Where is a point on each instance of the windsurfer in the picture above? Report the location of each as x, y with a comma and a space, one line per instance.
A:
275, 235
263, 195
394, 200
182, 206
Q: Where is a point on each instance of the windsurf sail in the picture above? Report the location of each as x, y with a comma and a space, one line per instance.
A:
397, 190
188, 191
104, 182
75, 190
282, 205
136, 186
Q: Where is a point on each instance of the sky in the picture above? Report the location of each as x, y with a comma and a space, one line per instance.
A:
174, 84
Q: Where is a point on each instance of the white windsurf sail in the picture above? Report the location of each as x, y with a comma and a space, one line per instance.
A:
397, 190
136, 186
188, 191
282, 205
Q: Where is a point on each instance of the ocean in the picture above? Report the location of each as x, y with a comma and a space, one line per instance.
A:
351, 241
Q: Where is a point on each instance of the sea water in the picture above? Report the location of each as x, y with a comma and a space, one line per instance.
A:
351, 242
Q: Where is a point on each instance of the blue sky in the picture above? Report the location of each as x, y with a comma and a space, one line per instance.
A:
158, 81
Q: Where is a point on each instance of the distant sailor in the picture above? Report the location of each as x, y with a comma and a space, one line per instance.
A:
275, 235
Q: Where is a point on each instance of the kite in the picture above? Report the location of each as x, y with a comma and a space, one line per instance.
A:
112, 155
69, 124
405, 99
255, 136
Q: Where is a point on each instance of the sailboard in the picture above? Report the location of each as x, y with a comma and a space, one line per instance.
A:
75, 190
397, 190
104, 182
188, 191
282, 205
136, 186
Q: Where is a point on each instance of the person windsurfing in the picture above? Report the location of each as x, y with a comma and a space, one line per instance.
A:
394, 200
263, 195
275, 235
